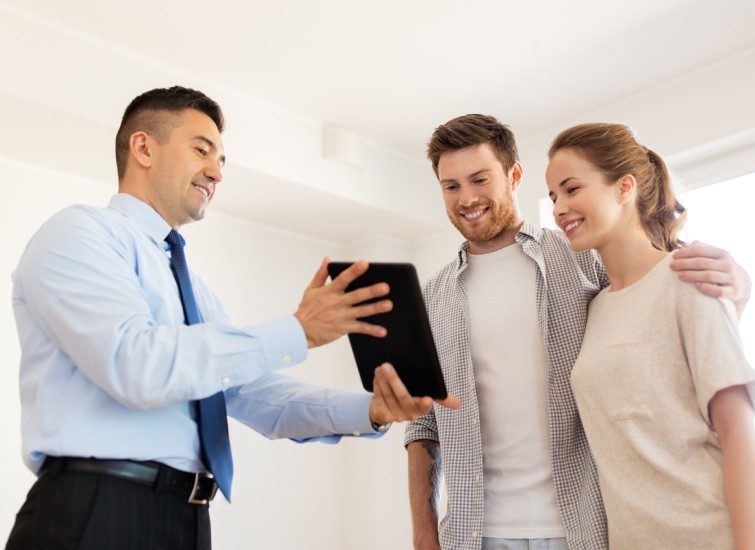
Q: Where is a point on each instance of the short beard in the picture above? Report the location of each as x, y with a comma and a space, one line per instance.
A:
502, 220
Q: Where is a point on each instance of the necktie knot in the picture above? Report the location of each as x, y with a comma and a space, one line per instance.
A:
174, 239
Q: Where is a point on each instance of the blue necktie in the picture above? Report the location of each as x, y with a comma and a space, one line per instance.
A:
212, 417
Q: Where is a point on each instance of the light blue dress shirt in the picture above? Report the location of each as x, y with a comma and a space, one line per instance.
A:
108, 367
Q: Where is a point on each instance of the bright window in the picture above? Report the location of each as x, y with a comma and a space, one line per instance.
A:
717, 214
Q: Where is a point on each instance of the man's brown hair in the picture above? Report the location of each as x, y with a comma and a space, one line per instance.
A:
155, 112
469, 131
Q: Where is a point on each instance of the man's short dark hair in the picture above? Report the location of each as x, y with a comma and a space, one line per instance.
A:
469, 131
154, 112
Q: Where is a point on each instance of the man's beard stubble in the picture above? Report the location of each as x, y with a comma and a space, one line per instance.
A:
502, 218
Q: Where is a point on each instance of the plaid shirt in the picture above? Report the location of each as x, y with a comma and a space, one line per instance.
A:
566, 282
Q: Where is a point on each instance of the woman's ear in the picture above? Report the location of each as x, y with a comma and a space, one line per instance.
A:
627, 186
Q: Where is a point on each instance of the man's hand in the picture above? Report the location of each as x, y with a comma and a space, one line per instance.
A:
714, 272
392, 402
327, 311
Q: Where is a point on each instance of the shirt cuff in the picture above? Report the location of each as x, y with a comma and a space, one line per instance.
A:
352, 416
285, 343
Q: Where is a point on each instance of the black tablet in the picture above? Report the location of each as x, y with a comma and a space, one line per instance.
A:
409, 345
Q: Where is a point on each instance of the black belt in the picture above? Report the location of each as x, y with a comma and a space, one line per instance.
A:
199, 488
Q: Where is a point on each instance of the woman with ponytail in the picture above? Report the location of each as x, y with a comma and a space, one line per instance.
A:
662, 384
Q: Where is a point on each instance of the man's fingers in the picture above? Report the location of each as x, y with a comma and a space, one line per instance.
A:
699, 249
349, 274
388, 406
709, 267
327, 312
711, 277
699, 264
365, 310
367, 293
390, 385
717, 291
397, 388
451, 402
321, 276
389, 397
352, 323
693, 263
399, 404
361, 327
703, 264
423, 404
397, 401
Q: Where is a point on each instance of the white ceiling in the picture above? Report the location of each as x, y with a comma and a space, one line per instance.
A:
393, 70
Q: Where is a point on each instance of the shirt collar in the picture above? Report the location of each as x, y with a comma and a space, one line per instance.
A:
528, 231
142, 215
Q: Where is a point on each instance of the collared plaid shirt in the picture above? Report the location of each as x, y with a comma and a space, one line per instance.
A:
566, 282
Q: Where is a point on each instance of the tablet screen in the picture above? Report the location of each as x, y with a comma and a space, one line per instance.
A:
409, 345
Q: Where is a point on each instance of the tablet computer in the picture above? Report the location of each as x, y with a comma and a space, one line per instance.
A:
409, 344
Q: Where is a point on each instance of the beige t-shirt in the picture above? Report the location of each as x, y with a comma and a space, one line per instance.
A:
653, 356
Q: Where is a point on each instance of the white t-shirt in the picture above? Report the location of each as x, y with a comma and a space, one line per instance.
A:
653, 356
511, 377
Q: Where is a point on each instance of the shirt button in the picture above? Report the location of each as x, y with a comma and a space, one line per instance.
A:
477, 478
225, 381
474, 534
286, 359
356, 434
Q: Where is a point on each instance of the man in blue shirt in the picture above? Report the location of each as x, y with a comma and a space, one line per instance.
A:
110, 372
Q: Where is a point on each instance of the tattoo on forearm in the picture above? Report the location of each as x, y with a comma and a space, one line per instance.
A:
433, 451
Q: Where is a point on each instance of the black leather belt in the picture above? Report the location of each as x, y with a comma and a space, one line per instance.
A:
199, 488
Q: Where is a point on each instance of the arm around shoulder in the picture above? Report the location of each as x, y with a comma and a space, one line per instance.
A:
714, 272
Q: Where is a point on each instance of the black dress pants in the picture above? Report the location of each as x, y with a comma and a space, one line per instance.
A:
67, 511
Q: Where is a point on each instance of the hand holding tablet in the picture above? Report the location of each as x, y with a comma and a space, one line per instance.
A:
392, 402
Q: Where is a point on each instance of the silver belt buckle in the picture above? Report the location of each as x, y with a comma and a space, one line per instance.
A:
194, 490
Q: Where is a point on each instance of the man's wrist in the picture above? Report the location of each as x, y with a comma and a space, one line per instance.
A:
380, 428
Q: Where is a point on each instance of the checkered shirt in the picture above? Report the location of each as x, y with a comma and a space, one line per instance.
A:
566, 282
